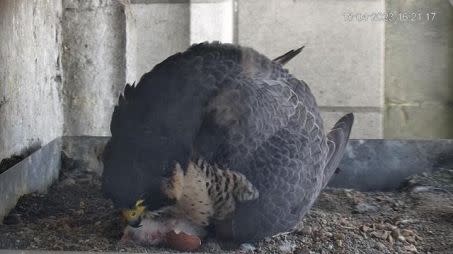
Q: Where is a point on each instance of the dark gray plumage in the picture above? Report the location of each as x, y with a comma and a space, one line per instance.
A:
233, 107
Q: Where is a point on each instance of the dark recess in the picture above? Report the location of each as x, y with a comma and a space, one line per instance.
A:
7, 163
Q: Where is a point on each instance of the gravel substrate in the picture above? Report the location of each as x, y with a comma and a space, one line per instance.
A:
73, 215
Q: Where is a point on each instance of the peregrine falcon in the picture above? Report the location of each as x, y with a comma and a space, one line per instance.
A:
219, 137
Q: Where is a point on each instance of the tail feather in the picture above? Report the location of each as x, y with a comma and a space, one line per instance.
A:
337, 139
283, 59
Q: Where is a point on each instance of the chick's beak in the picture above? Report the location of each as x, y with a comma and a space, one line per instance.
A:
134, 216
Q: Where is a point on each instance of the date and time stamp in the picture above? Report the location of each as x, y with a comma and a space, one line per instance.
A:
390, 17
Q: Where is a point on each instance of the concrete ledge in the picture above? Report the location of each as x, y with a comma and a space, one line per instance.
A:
368, 165
427, 120
34, 173
380, 165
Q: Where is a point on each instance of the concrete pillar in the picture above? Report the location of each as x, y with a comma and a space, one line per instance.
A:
94, 64
343, 61
157, 29
154, 31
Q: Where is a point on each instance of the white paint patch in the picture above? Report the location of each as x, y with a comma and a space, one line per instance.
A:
287, 247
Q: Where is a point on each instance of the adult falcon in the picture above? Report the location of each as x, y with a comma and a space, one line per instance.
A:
219, 137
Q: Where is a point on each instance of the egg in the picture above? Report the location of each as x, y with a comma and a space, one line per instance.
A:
182, 241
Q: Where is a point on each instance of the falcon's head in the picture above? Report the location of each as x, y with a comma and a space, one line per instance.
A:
140, 178
146, 145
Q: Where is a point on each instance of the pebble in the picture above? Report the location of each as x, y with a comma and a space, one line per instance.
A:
247, 247
287, 247
366, 208
381, 234
391, 240
411, 248
340, 236
365, 228
380, 246
410, 239
307, 230
407, 232
396, 233
67, 182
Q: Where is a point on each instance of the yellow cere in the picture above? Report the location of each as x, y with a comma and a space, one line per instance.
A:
133, 214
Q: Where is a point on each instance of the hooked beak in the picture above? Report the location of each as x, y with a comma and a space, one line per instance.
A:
134, 216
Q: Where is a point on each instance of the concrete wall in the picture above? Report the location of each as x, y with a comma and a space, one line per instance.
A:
154, 32
157, 29
103, 44
211, 20
94, 64
419, 70
343, 62
30, 74
335, 70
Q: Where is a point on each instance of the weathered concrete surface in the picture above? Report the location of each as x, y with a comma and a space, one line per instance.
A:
154, 32
341, 57
157, 29
94, 64
430, 120
101, 44
34, 173
30, 74
343, 60
211, 20
419, 64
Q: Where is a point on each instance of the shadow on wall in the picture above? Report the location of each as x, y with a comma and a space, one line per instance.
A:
7, 163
